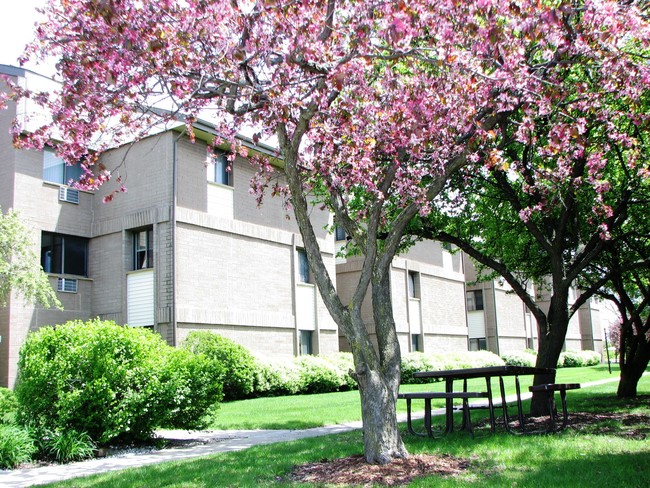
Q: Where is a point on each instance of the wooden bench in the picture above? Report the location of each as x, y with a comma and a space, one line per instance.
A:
427, 396
550, 389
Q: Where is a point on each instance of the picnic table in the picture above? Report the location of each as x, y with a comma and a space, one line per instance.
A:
500, 372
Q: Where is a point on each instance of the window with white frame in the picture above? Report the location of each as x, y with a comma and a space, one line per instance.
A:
55, 169
413, 284
64, 254
220, 169
143, 249
303, 267
306, 342
416, 342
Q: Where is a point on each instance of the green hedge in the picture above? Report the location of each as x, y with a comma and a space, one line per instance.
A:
567, 359
578, 359
237, 362
419, 361
111, 382
520, 358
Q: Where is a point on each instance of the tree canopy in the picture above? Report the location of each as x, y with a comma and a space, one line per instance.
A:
19, 268
373, 106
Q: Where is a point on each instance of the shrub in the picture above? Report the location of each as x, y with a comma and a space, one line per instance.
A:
238, 363
277, 379
109, 381
69, 445
344, 364
570, 359
519, 358
194, 384
413, 362
16, 446
418, 361
592, 358
8, 406
317, 375
577, 359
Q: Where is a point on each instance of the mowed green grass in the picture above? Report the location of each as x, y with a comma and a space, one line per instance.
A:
305, 411
598, 456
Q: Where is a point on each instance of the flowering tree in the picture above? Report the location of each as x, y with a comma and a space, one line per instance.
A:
373, 106
575, 239
621, 274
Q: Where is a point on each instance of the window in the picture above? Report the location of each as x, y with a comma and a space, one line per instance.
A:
303, 267
143, 249
306, 347
414, 284
64, 254
55, 170
220, 169
474, 300
415, 342
478, 344
339, 233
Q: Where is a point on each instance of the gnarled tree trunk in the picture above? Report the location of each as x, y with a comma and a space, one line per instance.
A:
635, 356
552, 333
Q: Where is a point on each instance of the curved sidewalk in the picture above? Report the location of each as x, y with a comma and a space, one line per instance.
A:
218, 441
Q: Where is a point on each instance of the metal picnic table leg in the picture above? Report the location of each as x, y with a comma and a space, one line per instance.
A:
449, 406
427, 416
520, 408
504, 405
409, 425
488, 385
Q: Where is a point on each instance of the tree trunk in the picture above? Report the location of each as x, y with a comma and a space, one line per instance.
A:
552, 334
633, 366
381, 438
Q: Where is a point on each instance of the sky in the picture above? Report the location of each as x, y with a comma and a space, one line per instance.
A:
17, 20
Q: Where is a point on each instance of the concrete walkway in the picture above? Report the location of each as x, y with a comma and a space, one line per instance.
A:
218, 441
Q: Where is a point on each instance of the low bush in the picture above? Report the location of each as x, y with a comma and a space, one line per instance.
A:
519, 358
413, 362
112, 382
16, 446
578, 359
238, 363
344, 365
418, 361
193, 385
317, 375
8, 406
277, 379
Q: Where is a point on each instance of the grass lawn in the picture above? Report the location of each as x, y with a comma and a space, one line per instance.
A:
304, 411
599, 455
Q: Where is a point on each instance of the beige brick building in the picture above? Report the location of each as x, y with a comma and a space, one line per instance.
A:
187, 248
500, 322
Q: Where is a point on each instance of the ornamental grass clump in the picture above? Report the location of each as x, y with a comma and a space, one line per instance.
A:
111, 382
16, 446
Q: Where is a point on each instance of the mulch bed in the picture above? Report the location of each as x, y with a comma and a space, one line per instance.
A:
354, 471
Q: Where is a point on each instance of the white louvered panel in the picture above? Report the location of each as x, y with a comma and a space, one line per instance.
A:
69, 195
67, 285
476, 324
140, 298
306, 306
